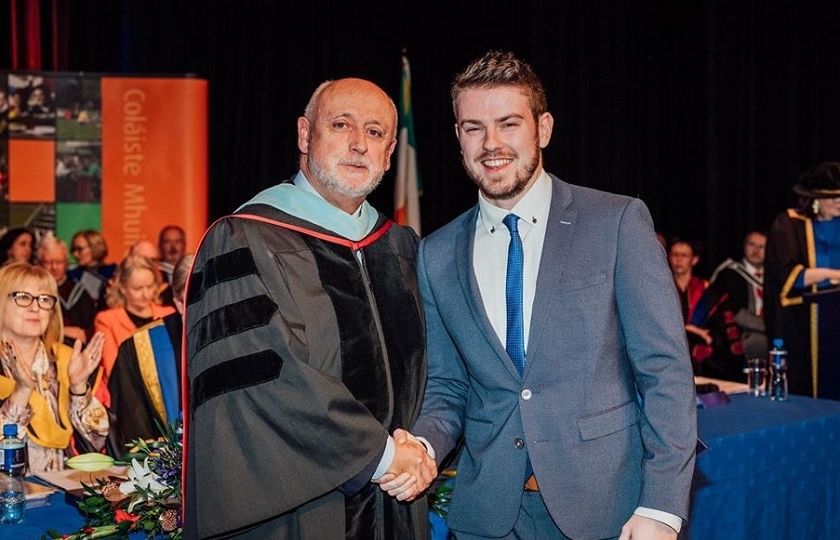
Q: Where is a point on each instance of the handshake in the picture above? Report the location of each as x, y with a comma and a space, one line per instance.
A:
411, 471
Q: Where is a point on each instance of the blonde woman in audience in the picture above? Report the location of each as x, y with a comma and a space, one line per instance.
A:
145, 381
133, 302
44, 384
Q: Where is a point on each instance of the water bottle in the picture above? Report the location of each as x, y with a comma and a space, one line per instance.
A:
778, 371
12, 469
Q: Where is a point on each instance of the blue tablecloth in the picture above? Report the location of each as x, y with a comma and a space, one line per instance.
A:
56, 514
772, 471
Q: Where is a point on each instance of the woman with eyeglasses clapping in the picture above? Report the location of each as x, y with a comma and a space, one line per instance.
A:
44, 384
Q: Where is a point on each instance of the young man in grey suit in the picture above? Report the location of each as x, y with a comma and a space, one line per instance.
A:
555, 341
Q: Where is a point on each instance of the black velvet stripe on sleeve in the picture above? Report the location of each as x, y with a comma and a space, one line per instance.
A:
233, 319
232, 265
238, 373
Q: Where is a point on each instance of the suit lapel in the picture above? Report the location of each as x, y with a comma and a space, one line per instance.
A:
464, 248
553, 263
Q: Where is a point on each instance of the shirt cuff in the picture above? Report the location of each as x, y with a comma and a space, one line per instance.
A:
675, 522
429, 448
387, 458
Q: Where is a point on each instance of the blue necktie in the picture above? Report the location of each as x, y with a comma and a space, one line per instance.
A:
515, 345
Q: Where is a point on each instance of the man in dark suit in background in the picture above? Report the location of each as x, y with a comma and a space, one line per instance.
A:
589, 431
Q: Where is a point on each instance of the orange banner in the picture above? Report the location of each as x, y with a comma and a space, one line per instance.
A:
33, 171
154, 159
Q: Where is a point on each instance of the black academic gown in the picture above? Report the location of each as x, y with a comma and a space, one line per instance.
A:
133, 402
302, 356
790, 250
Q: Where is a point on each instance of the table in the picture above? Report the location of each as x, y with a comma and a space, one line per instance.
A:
772, 471
56, 514
730, 387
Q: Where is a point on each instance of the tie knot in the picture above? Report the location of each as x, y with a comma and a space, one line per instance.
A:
511, 221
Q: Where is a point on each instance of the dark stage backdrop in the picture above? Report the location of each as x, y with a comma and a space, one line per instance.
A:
705, 110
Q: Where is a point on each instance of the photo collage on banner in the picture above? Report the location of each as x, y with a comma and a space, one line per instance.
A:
50, 153
125, 156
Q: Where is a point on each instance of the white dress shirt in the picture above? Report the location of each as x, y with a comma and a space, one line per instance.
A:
758, 297
491, 248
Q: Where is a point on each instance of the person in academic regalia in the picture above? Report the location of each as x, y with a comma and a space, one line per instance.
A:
305, 346
77, 307
145, 381
803, 256
90, 250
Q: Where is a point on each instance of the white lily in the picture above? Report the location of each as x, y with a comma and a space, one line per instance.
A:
140, 476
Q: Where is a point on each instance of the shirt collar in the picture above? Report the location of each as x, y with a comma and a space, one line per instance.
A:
751, 268
532, 208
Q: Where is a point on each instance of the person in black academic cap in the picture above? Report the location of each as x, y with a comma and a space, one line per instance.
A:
803, 255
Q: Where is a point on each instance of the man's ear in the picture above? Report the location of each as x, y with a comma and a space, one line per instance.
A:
545, 125
303, 135
391, 149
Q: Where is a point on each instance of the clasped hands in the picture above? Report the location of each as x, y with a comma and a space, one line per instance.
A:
81, 365
412, 469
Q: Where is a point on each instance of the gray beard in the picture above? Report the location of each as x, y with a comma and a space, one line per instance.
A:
333, 183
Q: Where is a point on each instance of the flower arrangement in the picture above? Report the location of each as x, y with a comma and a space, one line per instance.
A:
148, 501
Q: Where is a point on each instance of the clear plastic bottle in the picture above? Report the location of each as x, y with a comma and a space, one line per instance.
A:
12, 469
778, 371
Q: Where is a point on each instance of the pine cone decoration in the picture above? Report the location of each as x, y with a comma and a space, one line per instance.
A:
111, 492
169, 520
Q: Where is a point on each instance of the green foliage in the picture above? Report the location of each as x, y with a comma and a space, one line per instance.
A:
147, 502
440, 498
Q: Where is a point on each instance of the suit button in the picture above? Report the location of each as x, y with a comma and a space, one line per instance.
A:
526, 394
519, 443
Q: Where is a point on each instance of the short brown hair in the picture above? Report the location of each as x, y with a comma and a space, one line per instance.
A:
497, 68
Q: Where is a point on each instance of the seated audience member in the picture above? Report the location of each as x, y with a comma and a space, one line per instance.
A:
133, 302
17, 245
683, 256
77, 307
44, 383
144, 248
145, 381
731, 309
172, 244
90, 249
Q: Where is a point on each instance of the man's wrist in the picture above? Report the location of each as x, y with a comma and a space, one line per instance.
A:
386, 459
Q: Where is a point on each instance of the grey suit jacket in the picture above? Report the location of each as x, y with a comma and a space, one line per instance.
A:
606, 406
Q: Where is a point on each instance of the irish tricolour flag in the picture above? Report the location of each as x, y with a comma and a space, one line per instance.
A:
407, 192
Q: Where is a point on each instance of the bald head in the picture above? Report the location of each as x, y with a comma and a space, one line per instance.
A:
144, 248
346, 86
346, 138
